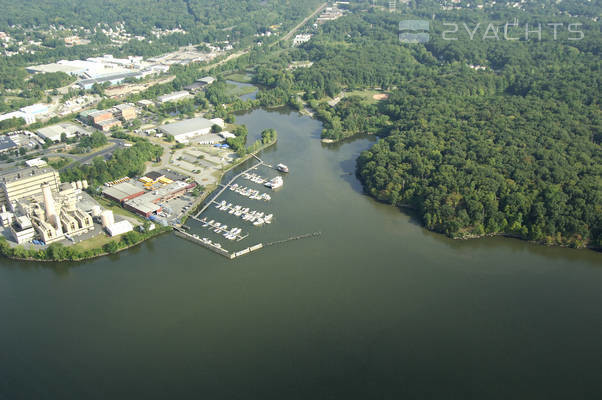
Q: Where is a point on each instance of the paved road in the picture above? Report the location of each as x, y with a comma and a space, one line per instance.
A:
117, 143
285, 37
296, 28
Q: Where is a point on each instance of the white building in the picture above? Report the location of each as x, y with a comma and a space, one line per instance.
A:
175, 96
227, 135
300, 39
36, 162
35, 109
184, 130
119, 228
28, 118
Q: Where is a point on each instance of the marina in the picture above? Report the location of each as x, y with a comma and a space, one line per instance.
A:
247, 214
255, 217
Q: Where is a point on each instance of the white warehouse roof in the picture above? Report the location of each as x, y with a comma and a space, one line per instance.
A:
119, 228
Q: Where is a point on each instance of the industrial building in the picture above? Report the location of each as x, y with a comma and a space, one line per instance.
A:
208, 80
35, 109
26, 182
175, 96
119, 228
122, 192
149, 203
184, 130
113, 79
54, 132
35, 204
96, 116
102, 120
28, 118
107, 125
7, 144
125, 112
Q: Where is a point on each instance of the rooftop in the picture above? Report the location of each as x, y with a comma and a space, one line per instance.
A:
154, 175
16, 174
186, 126
122, 190
6, 143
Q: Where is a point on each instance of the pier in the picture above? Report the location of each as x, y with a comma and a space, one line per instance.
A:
255, 217
202, 210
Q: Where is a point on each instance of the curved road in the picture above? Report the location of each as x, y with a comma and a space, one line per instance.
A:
83, 160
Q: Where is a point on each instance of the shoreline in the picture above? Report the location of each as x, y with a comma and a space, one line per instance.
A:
160, 232
104, 254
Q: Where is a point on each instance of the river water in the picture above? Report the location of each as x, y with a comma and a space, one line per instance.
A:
375, 308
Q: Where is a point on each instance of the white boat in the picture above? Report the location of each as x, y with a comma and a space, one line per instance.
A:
275, 183
259, 222
282, 168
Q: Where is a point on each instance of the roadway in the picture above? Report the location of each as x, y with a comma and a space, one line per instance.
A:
117, 143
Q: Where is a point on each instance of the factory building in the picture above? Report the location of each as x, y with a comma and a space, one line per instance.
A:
54, 132
184, 130
35, 109
41, 207
97, 116
175, 96
150, 203
112, 79
122, 192
119, 228
125, 112
22, 229
7, 144
107, 125
207, 80
26, 182
28, 118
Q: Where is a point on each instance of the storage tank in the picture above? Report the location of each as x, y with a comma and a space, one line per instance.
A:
106, 218
78, 184
85, 184
96, 211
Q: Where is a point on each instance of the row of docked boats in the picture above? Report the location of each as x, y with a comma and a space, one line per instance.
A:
256, 217
254, 178
250, 193
222, 229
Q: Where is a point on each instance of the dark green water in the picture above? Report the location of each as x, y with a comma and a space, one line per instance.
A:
376, 308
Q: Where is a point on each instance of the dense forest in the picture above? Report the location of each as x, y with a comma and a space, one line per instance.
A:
482, 136
123, 162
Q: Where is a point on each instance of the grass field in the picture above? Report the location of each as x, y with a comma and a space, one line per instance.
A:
238, 77
94, 243
233, 90
366, 95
